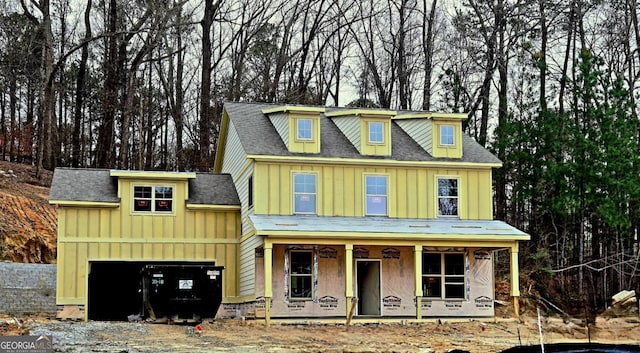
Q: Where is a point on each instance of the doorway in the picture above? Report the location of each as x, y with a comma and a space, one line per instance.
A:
368, 281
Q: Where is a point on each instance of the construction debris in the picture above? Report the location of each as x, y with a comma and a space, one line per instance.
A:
623, 303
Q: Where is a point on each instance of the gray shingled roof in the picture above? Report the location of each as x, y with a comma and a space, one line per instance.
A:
212, 189
97, 185
94, 185
259, 137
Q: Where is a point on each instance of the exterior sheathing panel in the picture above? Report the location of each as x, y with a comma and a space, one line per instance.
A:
237, 161
95, 234
412, 191
281, 122
350, 127
242, 187
234, 157
419, 130
248, 265
397, 298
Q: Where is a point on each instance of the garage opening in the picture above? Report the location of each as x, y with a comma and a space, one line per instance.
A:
159, 291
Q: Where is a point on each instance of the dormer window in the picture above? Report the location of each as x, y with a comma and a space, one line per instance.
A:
304, 129
376, 132
153, 199
447, 135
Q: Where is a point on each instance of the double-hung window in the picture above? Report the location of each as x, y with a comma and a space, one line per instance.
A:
301, 278
304, 193
376, 132
304, 129
153, 199
448, 197
376, 195
447, 135
443, 275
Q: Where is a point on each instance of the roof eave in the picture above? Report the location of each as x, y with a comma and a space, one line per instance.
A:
313, 159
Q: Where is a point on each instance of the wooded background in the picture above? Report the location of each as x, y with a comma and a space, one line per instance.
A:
550, 87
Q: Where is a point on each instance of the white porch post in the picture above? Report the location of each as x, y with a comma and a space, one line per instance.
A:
268, 280
418, 280
348, 275
515, 279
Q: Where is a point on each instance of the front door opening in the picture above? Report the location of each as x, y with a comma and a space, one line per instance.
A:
368, 280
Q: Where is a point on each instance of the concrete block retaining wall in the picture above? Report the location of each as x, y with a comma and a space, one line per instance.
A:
27, 288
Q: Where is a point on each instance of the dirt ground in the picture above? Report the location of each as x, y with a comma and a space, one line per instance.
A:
253, 336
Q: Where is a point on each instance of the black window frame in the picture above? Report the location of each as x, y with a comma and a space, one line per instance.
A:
300, 277
444, 275
157, 199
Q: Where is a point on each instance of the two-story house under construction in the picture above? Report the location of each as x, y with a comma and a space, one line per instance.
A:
365, 212
314, 212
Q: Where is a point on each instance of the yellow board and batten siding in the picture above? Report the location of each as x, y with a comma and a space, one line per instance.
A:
340, 190
116, 234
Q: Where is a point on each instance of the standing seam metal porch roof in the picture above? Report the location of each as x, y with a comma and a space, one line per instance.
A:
258, 136
473, 229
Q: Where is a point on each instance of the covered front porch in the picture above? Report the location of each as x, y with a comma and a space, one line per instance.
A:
319, 267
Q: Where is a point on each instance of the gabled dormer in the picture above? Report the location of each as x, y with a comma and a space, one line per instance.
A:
298, 127
368, 130
440, 134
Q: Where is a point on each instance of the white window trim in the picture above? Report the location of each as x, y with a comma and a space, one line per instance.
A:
437, 194
369, 123
443, 276
453, 135
153, 199
293, 192
366, 204
298, 137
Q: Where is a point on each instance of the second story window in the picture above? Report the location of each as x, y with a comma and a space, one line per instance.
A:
447, 197
304, 129
447, 135
250, 192
376, 132
153, 199
304, 193
376, 195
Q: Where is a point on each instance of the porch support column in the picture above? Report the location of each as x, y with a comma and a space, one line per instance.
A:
268, 280
348, 277
418, 279
515, 279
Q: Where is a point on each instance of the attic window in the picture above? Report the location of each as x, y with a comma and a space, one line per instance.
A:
376, 132
153, 199
447, 135
304, 128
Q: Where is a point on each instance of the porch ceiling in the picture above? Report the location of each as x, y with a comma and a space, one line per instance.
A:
444, 229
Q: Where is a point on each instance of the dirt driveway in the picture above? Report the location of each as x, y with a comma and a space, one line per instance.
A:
252, 336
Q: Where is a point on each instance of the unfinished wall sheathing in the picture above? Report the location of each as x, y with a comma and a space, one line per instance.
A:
397, 284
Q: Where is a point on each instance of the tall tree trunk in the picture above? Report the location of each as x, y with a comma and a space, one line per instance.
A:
178, 116
564, 75
206, 118
403, 76
502, 63
104, 148
13, 124
81, 91
542, 60
428, 50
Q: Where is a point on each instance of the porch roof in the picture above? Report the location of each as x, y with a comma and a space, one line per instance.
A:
426, 229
